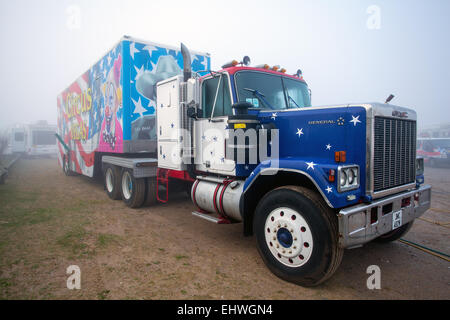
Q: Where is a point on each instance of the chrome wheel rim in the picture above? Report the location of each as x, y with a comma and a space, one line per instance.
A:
109, 180
127, 185
288, 237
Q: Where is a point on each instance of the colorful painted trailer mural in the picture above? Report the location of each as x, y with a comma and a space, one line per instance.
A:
110, 109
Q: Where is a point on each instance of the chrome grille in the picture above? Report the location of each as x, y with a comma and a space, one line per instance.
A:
394, 153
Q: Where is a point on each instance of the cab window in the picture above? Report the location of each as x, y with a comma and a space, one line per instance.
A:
223, 101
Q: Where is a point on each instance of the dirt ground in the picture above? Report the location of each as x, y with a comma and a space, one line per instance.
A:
49, 221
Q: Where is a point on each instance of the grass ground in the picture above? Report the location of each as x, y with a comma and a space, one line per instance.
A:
49, 221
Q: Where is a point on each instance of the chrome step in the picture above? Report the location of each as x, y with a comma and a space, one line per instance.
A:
206, 217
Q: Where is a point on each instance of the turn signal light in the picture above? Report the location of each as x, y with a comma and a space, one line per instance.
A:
340, 156
331, 175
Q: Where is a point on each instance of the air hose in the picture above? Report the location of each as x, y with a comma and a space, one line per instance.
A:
435, 253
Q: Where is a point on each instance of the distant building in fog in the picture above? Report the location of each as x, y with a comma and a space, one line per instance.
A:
435, 131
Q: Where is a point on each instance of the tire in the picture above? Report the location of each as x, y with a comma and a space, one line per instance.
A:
303, 250
395, 234
111, 179
133, 189
150, 192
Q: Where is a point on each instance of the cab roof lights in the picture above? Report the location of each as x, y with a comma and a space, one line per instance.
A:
245, 62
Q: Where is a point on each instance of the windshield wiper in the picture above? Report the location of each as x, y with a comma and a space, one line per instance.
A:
260, 97
292, 99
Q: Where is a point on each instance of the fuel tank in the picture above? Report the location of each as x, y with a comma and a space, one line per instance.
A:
218, 196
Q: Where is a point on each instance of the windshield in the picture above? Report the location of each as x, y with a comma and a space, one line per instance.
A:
271, 91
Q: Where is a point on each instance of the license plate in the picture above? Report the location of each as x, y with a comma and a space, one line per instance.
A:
396, 219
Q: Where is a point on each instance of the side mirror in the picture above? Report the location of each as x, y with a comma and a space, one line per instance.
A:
242, 107
192, 113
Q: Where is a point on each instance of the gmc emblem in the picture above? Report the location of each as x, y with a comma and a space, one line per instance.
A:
400, 114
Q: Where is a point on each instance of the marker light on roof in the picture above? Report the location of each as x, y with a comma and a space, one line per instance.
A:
263, 66
275, 68
283, 70
233, 63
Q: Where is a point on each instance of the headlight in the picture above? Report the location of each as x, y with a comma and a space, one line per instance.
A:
351, 176
343, 178
348, 178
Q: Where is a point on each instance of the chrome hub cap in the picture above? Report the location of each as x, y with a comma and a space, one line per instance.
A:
109, 180
127, 185
288, 237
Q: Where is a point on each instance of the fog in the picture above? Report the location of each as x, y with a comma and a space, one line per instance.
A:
349, 51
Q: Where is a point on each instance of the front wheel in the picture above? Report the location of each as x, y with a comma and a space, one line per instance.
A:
297, 235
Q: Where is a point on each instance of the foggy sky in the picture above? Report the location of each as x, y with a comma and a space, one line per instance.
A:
47, 44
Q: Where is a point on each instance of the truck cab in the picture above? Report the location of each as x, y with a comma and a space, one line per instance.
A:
308, 181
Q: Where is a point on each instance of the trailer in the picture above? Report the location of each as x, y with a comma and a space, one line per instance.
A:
246, 142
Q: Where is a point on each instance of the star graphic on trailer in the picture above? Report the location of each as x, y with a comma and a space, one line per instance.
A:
109, 59
140, 72
138, 108
328, 146
299, 132
149, 49
133, 49
310, 165
355, 120
329, 189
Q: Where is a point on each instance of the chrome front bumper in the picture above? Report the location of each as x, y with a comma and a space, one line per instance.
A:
362, 223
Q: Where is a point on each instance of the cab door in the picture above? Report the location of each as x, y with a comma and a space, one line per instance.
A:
210, 130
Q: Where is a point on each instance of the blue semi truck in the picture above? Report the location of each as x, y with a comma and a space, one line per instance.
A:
245, 140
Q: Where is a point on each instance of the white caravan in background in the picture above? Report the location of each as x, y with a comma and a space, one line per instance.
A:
37, 139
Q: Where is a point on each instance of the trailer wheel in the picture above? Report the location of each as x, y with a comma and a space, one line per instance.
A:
112, 182
133, 189
150, 192
297, 235
395, 234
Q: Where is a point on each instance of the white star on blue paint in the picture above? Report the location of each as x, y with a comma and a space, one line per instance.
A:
133, 49
310, 165
140, 72
329, 189
274, 116
328, 146
299, 132
149, 49
138, 108
355, 120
